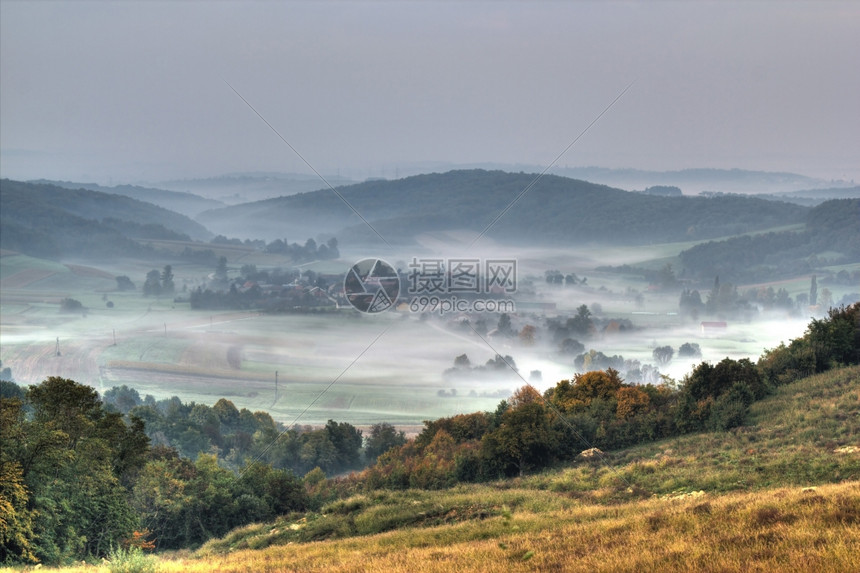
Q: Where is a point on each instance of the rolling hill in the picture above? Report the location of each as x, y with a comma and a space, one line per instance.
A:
554, 211
187, 204
236, 188
52, 222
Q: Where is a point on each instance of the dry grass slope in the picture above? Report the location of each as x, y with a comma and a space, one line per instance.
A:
784, 529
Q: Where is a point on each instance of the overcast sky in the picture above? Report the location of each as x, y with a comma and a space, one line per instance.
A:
131, 92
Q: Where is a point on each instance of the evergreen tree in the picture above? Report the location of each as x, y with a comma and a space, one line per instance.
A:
167, 286
221, 270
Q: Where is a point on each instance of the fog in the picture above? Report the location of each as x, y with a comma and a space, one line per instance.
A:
349, 366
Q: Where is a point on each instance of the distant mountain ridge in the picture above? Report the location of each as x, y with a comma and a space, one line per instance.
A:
696, 180
554, 211
807, 197
237, 188
691, 181
187, 204
50, 221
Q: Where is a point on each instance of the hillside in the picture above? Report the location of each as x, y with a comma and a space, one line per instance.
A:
691, 181
554, 211
52, 222
646, 508
187, 204
236, 188
831, 233
806, 197
829, 193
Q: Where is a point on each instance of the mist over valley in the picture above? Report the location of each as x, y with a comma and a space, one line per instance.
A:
327, 286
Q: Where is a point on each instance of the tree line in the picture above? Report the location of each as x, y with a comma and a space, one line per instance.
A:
81, 475
531, 431
830, 227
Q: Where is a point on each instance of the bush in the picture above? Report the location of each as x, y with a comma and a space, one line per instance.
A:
690, 350
71, 305
131, 560
727, 412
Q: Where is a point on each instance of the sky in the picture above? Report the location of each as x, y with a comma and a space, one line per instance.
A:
130, 92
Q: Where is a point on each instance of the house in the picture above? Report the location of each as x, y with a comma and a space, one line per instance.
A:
713, 327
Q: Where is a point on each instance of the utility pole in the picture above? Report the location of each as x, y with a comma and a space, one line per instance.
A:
58, 346
114, 336
276, 385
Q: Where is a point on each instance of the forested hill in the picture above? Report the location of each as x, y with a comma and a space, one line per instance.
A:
831, 233
188, 204
50, 221
555, 210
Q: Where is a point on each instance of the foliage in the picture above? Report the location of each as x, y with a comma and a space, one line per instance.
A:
186, 503
619, 515
79, 479
598, 408
167, 284
827, 342
663, 355
16, 523
716, 396
831, 226
690, 350
310, 251
239, 435
383, 436
131, 560
71, 305
152, 285
124, 283
71, 459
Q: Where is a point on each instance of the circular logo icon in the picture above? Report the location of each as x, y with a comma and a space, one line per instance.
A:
371, 286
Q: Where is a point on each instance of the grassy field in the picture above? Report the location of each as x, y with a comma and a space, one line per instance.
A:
161, 347
781, 493
785, 529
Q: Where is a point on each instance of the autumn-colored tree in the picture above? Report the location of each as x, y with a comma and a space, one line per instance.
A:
630, 401
595, 385
523, 396
527, 335
435, 469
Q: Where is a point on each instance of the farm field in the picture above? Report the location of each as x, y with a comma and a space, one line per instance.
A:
163, 348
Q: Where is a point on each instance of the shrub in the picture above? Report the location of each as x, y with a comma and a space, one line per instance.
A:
131, 560
71, 305
727, 413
